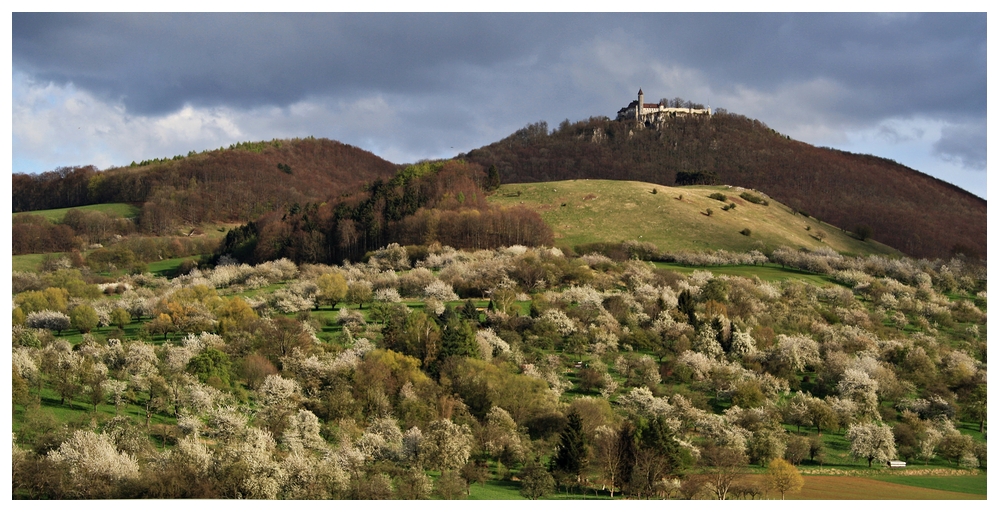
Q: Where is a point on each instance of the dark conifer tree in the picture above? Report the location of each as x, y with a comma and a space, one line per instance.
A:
719, 328
657, 455
492, 179
687, 306
571, 457
457, 336
470, 312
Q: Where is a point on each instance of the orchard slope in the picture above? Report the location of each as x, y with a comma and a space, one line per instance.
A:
426, 371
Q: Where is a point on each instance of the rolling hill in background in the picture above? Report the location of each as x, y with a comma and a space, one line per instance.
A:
236, 184
908, 210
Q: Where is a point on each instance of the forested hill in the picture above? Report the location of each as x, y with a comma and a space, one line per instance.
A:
911, 211
234, 184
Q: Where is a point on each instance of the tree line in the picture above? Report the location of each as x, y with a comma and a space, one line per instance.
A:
440, 202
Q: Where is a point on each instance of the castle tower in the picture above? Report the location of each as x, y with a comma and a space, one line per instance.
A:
641, 105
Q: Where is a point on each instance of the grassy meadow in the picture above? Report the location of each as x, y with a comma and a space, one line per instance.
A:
124, 210
674, 218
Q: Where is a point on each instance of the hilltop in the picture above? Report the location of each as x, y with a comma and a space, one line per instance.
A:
234, 184
908, 210
675, 218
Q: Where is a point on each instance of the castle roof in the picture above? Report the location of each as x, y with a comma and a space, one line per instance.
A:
640, 91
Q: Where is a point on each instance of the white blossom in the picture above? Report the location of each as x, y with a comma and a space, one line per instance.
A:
277, 391
706, 343
302, 432
446, 446
487, 339
439, 290
411, 442
286, 302
46, 319
742, 343
24, 363
871, 441
93, 456
387, 295
258, 475
796, 351
640, 400
562, 323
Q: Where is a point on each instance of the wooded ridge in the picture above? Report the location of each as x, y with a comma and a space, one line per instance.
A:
906, 209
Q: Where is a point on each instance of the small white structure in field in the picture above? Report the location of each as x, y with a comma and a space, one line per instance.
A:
896, 464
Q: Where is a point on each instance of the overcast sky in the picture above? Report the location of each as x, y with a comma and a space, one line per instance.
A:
107, 89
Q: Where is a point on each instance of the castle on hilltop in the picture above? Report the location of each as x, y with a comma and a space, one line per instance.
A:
643, 112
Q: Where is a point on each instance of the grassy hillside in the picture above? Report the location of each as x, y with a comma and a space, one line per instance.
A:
673, 218
124, 210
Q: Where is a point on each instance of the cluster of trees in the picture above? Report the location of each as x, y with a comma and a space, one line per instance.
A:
109, 241
908, 210
64, 187
440, 202
679, 102
580, 373
33, 234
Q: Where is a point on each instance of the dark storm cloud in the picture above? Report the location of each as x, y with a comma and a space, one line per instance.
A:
157, 62
964, 143
891, 62
410, 86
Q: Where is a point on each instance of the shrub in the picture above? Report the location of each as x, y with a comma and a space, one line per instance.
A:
753, 198
746, 232
210, 363
17, 317
83, 318
186, 267
863, 232
719, 196
46, 319
695, 178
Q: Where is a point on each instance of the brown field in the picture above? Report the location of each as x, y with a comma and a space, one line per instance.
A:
854, 488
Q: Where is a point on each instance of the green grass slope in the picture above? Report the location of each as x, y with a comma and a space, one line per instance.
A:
123, 210
674, 218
